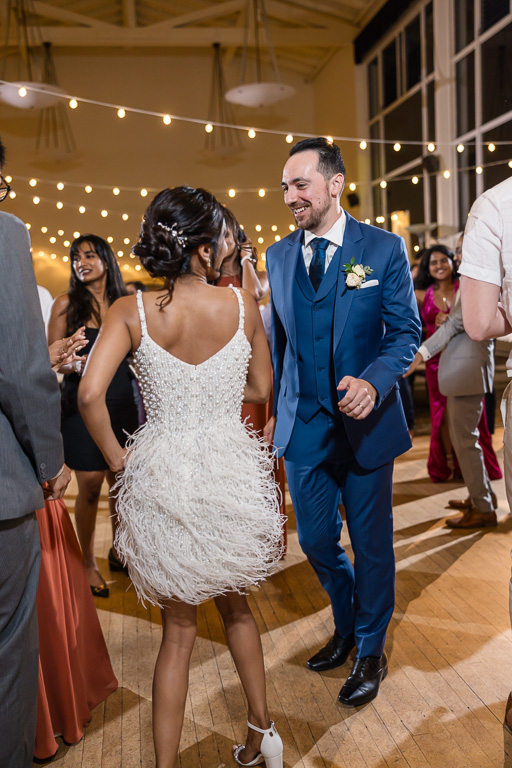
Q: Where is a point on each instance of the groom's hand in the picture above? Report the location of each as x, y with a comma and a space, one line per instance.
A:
359, 398
268, 430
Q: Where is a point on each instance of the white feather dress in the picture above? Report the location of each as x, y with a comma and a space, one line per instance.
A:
197, 503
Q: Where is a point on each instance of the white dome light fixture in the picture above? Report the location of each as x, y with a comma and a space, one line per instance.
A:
260, 93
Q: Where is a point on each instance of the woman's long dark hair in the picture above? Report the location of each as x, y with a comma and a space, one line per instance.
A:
423, 279
82, 304
175, 223
239, 235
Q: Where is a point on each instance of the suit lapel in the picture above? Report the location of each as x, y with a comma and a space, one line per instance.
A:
352, 248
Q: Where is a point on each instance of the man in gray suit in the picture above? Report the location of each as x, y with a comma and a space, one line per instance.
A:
466, 373
30, 455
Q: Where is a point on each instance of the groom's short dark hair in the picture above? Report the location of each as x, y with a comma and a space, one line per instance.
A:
2, 155
330, 161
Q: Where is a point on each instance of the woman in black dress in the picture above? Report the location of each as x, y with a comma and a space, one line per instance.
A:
94, 285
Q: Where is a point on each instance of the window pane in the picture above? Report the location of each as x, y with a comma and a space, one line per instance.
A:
404, 122
497, 75
466, 182
464, 23
373, 87
375, 152
406, 196
412, 53
389, 73
497, 173
465, 77
429, 30
377, 200
492, 11
433, 202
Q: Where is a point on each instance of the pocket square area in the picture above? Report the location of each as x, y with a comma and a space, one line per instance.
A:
368, 284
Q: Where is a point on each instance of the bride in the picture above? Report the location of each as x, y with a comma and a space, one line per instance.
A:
197, 504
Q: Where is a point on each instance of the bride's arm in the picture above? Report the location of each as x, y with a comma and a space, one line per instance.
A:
259, 376
113, 344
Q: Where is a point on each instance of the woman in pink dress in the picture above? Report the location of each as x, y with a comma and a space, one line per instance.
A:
437, 275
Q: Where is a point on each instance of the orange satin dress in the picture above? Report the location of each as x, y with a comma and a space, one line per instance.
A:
256, 415
75, 673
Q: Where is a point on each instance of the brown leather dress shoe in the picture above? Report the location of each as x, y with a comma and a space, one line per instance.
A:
507, 723
467, 503
473, 518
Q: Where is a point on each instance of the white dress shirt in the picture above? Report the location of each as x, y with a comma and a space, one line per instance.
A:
335, 235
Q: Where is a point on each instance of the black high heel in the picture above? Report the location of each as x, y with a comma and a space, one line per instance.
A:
114, 564
101, 591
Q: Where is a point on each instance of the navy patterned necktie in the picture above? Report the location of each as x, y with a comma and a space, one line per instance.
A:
317, 266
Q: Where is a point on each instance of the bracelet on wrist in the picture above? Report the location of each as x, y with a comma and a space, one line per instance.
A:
245, 258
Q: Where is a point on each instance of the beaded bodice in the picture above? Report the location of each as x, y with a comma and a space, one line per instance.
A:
189, 397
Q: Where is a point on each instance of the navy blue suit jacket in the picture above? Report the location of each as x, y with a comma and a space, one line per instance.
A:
376, 333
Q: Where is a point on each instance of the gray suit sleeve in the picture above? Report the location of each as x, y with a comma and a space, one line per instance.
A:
445, 333
29, 392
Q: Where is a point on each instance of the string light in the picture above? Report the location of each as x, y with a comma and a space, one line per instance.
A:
22, 92
352, 187
383, 184
82, 209
491, 147
60, 186
126, 240
510, 163
380, 219
363, 145
431, 147
394, 217
76, 234
121, 113
73, 103
88, 189
44, 230
36, 200
33, 182
289, 139
110, 239
12, 194
116, 191
132, 255
415, 180
397, 147
261, 193
258, 227
65, 259
167, 119
138, 267
60, 232
120, 253
8, 179
28, 226
261, 240
59, 204
143, 193
416, 248
232, 192
104, 213
125, 217
208, 127
291, 227
66, 243
329, 139
460, 148
274, 228
277, 238
367, 221
479, 169
53, 256
125, 267
446, 174
251, 133
53, 239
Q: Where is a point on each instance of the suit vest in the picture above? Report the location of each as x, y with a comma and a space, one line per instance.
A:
314, 317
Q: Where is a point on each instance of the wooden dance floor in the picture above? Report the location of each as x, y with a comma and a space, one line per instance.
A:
449, 647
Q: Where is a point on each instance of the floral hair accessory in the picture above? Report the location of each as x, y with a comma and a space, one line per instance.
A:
174, 232
355, 274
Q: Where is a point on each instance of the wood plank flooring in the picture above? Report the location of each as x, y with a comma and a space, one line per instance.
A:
449, 643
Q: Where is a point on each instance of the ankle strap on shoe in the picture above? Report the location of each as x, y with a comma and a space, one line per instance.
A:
262, 730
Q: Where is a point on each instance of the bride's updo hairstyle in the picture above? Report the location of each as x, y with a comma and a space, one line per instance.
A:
175, 223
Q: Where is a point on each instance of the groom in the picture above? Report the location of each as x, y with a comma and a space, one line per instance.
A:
345, 328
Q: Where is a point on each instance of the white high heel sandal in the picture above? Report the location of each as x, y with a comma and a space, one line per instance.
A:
271, 748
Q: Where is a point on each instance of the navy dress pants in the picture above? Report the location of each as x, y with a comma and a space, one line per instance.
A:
322, 471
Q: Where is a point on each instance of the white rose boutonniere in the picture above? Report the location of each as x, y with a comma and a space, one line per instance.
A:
355, 274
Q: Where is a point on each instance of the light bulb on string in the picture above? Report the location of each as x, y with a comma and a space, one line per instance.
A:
66, 243
380, 219
232, 192
479, 169
65, 259
82, 209
394, 217
329, 139
397, 147
44, 230
415, 180
261, 240
60, 232
88, 189
167, 119
76, 234
121, 113
125, 267
132, 255
138, 267
125, 217
274, 228
431, 147
416, 248
12, 194
59, 204
126, 240
446, 174
277, 238
8, 179
120, 253
258, 227
460, 148
208, 127
53, 239
251, 133
28, 226
289, 138
491, 147
352, 187
110, 239
510, 163
383, 184
261, 192
36, 200
367, 221
116, 191
362, 145
33, 182
291, 227
104, 213
60, 186
143, 193
73, 103
22, 92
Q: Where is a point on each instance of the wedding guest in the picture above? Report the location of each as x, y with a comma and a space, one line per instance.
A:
31, 456
95, 284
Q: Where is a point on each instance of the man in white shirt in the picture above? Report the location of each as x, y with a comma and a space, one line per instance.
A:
486, 290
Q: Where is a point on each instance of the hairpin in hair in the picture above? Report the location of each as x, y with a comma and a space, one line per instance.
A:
174, 232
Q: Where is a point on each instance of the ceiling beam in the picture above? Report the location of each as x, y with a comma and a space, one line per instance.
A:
46, 11
279, 10
129, 14
198, 37
202, 14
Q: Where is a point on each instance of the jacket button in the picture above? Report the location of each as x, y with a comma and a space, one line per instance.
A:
315, 307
